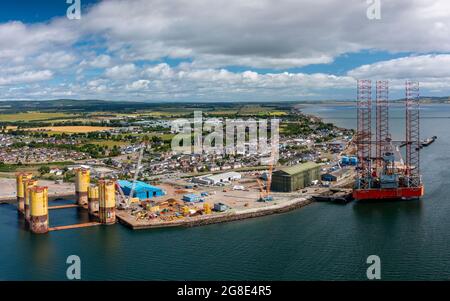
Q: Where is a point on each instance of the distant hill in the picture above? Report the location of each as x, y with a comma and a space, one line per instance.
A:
445, 99
86, 106
70, 105
94, 105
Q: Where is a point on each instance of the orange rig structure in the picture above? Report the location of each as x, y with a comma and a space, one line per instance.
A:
383, 174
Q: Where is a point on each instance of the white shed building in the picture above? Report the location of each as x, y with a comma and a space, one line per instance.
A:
224, 177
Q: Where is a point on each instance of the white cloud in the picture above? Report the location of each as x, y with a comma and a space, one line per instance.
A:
430, 70
121, 72
55, 60
212, 38
138, 85
264, 34
422, 66
218, 84
18, 40
162, 70
101, 61
26, 77
96, 82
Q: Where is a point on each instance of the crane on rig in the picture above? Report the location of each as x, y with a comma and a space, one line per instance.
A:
124, 202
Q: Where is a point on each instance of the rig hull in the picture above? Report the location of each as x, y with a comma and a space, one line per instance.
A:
388, 194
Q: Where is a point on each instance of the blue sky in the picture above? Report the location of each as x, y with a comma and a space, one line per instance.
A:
222, 50
36, 11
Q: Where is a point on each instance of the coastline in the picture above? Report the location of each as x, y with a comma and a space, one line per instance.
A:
233, 215
130, 221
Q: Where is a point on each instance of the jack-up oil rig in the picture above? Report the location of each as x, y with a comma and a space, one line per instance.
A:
379, 174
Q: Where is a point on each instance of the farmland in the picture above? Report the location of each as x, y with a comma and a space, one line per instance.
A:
33, 116
71, 129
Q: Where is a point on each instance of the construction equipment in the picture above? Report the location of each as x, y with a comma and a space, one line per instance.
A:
124, 203
384, 176
136, 172
121, 198
264, 195
207, 208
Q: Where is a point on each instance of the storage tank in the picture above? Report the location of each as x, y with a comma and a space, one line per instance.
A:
27, 184
20, 177
82, 181
39, 209
107, 202
93, 200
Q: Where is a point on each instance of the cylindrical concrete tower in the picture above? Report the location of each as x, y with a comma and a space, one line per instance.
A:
39, 209
20, 177
107, 202
93, 199
82, 180
27, 184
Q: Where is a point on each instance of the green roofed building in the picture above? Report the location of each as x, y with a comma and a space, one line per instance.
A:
296, 177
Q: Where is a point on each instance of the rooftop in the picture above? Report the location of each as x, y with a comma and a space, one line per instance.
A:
292, 170
139, 185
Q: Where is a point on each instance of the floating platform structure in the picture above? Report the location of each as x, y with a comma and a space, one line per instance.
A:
33, 202
388, 193
382, 175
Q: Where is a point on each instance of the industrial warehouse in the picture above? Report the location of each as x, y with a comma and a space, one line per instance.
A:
293, 178
142, 190
211, 179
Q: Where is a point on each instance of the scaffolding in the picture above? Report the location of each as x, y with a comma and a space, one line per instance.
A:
412, 170
364, 132
382, 120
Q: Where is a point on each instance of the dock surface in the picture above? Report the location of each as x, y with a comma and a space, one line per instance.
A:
232, 215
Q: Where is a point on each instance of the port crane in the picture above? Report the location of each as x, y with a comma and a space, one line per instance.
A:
124, 202
264, 195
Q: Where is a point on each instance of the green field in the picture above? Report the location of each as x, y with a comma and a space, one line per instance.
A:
109, 143
260, 110
30, 167
33, 116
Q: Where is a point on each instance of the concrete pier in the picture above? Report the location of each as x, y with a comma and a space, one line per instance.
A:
131, 222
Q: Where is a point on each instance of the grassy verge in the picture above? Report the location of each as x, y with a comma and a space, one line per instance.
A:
31, 167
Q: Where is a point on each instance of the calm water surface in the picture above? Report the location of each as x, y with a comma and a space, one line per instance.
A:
318, 242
